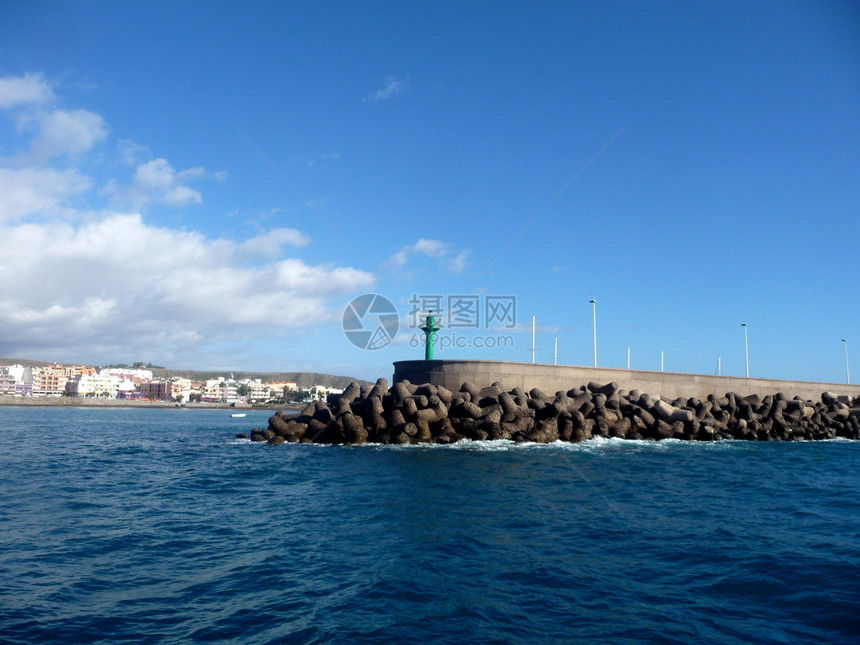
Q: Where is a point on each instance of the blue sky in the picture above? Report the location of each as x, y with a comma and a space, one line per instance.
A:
208, 185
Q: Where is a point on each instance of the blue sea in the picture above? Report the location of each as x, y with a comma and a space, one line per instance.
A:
151, 526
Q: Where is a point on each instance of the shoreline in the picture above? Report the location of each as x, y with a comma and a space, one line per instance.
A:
70, 402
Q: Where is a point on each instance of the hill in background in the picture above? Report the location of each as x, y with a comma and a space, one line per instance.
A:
301, 379
27, 363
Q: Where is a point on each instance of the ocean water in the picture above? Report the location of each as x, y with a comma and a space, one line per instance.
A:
148, 526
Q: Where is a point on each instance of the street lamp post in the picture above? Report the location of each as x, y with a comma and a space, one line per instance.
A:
847, 371
533, 338
594, 311
746, 349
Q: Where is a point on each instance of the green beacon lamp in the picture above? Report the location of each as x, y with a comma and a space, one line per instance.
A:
429, 330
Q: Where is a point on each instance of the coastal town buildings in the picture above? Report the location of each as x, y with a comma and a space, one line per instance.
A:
180, 388
257, 390
156, 390
319, 393
213, 389
81, 381
229, 390
135, 375
51, 380
281, 388
7, 385
16, 380
102, 386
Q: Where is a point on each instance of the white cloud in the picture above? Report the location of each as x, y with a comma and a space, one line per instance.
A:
28, 191
436, 249
155, 175
430, 248
268, 245
459, 262
158, 182
120, 282
131, 153
89, 312
63, 132
30, 89
392, 88
295, 275
331, 156
180, 195
396, 261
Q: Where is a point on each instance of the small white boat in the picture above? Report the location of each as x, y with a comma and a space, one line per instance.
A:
238, 415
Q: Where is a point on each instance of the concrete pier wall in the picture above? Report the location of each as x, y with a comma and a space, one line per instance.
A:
552, 378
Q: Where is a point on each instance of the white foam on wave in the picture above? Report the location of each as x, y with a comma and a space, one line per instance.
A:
595, 445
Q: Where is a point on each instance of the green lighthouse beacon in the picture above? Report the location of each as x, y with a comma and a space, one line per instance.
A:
429, 330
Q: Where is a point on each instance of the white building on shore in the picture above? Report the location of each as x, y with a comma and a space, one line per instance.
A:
128, 373
101, 386
16, 380
319, 393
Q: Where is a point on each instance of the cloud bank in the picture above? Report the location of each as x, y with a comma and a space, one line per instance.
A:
87, 277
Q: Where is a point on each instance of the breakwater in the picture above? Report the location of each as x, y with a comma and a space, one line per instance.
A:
551, 378
407, 414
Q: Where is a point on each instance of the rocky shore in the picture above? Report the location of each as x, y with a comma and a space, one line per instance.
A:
407, 414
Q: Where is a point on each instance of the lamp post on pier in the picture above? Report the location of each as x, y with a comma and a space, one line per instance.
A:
594, 312
847, 370
746, 349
